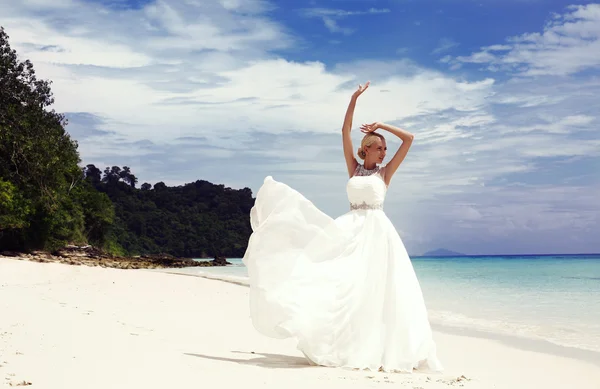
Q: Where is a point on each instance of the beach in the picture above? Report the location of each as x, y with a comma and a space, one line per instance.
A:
64, 326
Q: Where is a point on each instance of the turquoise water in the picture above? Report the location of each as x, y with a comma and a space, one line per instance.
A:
554, 298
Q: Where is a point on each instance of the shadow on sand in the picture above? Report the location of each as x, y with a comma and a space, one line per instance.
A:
272, 361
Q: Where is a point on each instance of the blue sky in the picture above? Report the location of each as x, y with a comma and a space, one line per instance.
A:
501, 95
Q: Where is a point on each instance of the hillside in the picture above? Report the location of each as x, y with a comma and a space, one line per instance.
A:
443, 253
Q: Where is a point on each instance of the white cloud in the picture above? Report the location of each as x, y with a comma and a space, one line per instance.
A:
246, 6
49, 5
551, 124
190, 83
330, 17
528, 100
333, 26
569, 43
330, 12
444, 45
40, 42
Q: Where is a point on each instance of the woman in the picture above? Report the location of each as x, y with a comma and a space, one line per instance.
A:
344, 288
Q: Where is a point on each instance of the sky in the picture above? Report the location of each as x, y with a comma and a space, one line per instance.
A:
501, 95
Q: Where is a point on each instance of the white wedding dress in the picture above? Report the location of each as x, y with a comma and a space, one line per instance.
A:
343, 288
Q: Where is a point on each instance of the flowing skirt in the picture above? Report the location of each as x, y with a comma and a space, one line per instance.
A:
344, 288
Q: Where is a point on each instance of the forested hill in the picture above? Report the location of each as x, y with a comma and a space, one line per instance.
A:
47, 200
198, 219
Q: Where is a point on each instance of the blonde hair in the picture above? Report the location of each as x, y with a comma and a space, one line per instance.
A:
367, 141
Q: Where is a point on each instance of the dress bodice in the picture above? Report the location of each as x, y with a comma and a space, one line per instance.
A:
366, 189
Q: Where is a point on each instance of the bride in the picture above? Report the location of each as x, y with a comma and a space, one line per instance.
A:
343, 288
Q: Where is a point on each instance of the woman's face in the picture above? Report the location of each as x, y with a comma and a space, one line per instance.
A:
376, 151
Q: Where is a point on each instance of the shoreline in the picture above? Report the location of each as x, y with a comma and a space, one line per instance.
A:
104, 327
521, 342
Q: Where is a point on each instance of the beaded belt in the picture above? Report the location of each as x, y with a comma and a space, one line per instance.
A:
364, 205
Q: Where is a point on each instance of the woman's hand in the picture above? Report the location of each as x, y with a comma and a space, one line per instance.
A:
361, 89
368, 128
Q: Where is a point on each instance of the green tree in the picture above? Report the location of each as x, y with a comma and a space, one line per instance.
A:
42, 201
14, 209
198, 219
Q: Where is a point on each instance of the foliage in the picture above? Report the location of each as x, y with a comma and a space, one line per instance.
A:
13, 207
198, 220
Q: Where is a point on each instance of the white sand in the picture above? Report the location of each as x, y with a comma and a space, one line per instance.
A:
79, 327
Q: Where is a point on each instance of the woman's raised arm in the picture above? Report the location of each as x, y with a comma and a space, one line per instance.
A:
351, 162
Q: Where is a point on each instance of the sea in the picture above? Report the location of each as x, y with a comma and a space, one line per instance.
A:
554, 299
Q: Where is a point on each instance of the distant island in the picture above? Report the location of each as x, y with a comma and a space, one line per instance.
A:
443, 253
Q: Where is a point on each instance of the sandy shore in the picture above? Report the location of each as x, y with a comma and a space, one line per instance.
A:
80, 327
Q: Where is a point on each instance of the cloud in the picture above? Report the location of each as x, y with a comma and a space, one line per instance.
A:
569, 44
83, 126
444, 45
516, 217
557, 125
330, 12
330, 17
333, 26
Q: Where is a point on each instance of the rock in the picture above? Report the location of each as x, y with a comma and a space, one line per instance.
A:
220, 261
40, 254
92, 256
10, 254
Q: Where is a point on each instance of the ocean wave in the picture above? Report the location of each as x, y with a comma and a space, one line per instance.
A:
587, 337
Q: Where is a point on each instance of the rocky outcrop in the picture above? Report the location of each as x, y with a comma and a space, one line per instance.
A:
220, 261
91, 256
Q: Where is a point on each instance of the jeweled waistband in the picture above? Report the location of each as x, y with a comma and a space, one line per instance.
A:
364, 205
